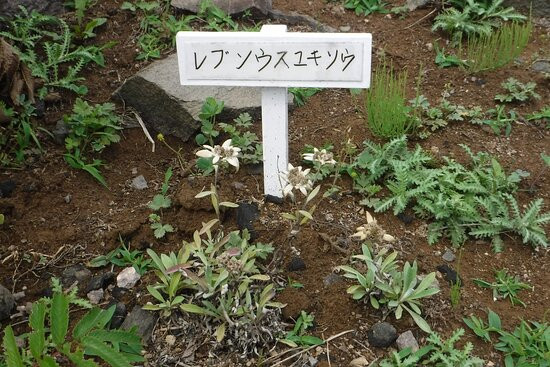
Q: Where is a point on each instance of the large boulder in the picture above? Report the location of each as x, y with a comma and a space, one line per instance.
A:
229, 6
173, 109
11, 7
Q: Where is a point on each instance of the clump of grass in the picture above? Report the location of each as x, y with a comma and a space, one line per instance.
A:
387, 113
499, 48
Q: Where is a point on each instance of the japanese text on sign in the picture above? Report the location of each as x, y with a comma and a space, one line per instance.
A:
331, 60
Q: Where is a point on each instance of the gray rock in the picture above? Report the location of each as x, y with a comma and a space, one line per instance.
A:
11, 7
139, 183
67, 198
127, 278
449, 256
359, 362
172, 109
229, 6
382, 334
540, 8
293, 18
247, 213
144, 321
100, 281
76, 273
345, 28
407, 340
541, 66
296, 264
416, 4
95, 296
7, 302
60, 132
332, 279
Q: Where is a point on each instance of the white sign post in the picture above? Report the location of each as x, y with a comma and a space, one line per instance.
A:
274, 60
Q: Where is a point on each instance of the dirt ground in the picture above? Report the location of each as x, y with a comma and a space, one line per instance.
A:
44, 232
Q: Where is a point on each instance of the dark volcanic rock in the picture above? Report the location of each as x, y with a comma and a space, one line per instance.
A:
382, 335
296, 264
450, 275
247, 213
144, 320
11, 7
7, 302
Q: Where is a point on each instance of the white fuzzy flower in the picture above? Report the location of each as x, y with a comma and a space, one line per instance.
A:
225, 153
320, 156
372, 230
224, 289
296, 179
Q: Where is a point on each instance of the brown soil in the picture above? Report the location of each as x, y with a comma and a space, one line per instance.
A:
40, 224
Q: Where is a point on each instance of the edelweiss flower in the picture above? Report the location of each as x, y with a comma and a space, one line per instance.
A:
295, 178
225, 153
372, 230
320, 156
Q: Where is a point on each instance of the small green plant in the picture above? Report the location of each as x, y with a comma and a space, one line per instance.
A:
528, 345
223, 284
58, 61
17, 135
215, 200
297, 336
444, 61
241, 137
301, 95
162, 201
304, 215
92, 129
472, 18
498, 119
517, 91
498, 48
122, 256
366, 7
49, 324
209, 110
81, 29
505, 286
437, 353
384, 285
387, 114
542, 116
160, 230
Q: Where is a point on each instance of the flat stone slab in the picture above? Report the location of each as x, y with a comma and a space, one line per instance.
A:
229, 6
172, 109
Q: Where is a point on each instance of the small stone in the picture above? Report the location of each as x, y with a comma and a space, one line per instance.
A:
313, 362
247, 213
100, 281
359, 362
127, 278
170, 340
450, 275
144, 321
75, 273
415, 4
119, 315
239, 186
345, 28
541, 66
449, 256
407, 340
119, 293
332, 279
382, 334
6, 188
139, 183
296, 264
67, 198
60, 132
134, 171
429, 46
95, 296
405, 218
7, 302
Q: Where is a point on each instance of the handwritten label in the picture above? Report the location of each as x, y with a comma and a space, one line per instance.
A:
287, 60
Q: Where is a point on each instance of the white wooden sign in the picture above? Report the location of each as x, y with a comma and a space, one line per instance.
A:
274, 60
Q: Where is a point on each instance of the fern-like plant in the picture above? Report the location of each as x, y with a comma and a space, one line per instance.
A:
90, 338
